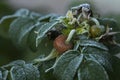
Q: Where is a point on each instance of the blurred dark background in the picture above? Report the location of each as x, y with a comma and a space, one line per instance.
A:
8, 52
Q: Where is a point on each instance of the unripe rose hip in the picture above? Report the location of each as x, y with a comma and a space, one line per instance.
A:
95, 31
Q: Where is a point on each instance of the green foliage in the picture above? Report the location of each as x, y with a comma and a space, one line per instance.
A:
19, 70
90, 59
70, 61
91, 70
113, 49
24, 72
116, 63
101, 56
18, 33
3, 74
93, 44
43, 67
43, 30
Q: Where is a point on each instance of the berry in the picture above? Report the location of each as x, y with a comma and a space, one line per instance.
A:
95, 31
60, 45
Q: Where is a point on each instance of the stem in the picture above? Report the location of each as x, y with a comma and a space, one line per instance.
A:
47, 70
52, 55
96, 21
76, 46
72, 32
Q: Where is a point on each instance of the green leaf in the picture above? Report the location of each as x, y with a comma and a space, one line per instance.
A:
112, 24
115, 74
19, 30
117, 37
113, 49
93, 44
91, 70
109, 22
20, 12
6, 20
34, 15
101, 56
48, 18
45, 46
14, 63
43, 30
103, 59
25, 72
67, 65
31, 42
43, 49
43, 67
3, 74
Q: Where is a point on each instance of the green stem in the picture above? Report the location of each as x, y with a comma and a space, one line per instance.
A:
72, 32
47, 70
52, 55
77, 44
96, 21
